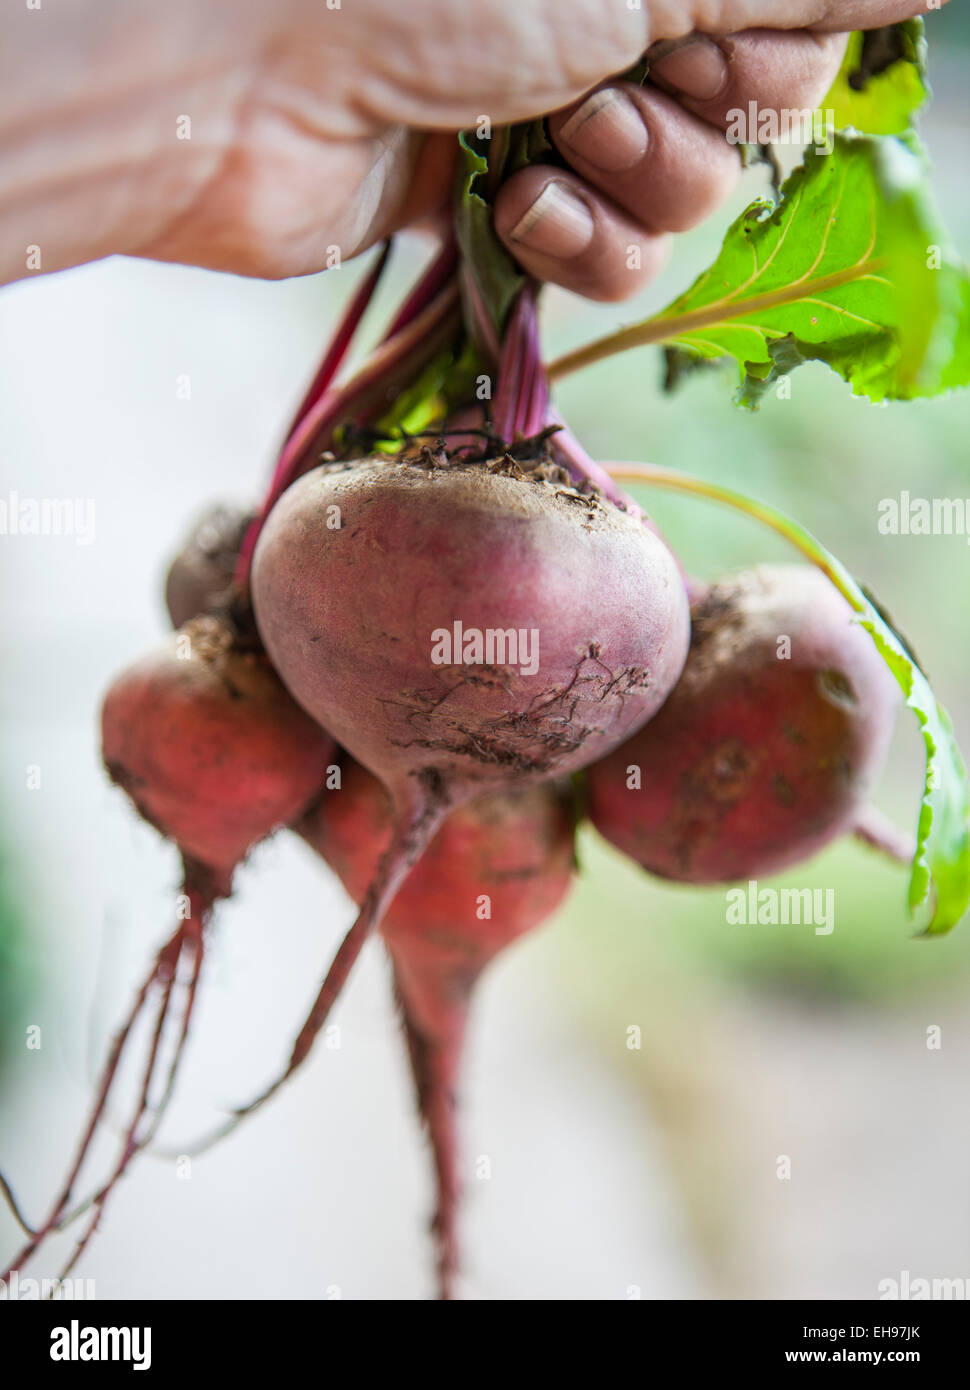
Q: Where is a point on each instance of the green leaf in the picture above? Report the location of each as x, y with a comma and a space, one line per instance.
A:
850, 268
942, 863
529, 143
941, 867
496, 277
446, 382
956, 371
882, 81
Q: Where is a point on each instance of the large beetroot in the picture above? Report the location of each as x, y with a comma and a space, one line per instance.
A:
769, 745
460, 626
497, 868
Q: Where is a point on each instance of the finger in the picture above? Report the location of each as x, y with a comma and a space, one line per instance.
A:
730, 16
529, 57
559, 229
715, 77
661, 164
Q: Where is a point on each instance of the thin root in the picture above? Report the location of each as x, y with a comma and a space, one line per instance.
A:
130, 1146
187, 938
410, 840
435, 1065
195, 947
8, 1196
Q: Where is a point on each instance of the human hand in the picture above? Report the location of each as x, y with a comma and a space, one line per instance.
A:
314, 128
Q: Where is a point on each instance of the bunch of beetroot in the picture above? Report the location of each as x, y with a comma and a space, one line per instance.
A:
423, 653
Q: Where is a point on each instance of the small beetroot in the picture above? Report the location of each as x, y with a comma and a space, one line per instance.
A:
497, 868
215, 754
768, 747
199, 579
210, 747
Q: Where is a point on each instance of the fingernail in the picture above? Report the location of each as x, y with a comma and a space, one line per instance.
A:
607, 131
558, 223
696, 67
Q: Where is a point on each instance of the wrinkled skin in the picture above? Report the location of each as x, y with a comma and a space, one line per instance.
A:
211, 748
755, 762
315, 126
348, 617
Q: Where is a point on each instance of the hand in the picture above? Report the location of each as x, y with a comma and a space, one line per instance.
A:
314, 127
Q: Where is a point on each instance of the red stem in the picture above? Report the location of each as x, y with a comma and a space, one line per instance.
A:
342, 338
480, 322
432, 282
522, 404
325, 407
522, 398
880, 833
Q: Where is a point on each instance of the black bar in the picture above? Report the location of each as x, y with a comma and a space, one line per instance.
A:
252, 1338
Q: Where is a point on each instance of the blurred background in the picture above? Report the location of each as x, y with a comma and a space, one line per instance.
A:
615, 1173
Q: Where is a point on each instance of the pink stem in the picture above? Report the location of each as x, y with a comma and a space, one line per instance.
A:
480, 320
522, 405
522, 398
342, 338
879, 832
433, 281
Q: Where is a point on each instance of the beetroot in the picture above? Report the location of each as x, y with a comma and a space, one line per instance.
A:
215, 754
199, 579
477, 621
497, 868
459, 626
211, 748
515, 847
769, 745
364, 574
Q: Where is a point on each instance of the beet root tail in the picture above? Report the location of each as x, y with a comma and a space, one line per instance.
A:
187, 940
411, 838
434, 1010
